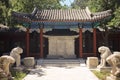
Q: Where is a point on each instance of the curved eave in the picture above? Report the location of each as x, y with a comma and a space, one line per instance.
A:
83, 15
95, 19
21, 16
23, 19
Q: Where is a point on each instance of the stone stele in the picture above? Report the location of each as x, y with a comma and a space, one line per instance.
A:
61, 46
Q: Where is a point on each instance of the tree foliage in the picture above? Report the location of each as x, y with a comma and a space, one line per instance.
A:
115, 22
27, 6
79, 4
102, 5
5, 11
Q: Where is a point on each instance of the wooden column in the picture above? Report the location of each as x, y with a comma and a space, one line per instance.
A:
94, 41
27, 42
80, 43
41, 42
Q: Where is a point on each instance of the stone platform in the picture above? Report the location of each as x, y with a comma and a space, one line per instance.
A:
105, 69
60, 62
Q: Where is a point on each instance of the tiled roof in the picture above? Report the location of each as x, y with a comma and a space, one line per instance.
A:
79, 15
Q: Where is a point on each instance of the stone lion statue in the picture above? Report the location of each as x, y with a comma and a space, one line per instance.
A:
5, 62
15, 53
104, 53
114, 61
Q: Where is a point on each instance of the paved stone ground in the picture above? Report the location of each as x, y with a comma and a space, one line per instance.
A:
61, 73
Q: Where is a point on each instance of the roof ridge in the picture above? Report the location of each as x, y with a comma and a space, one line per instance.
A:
58, 9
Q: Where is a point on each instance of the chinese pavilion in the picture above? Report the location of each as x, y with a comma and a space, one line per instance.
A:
61, 33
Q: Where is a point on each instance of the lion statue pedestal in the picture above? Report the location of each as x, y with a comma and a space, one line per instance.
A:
15, 53
104, 53
5, 62
114, 61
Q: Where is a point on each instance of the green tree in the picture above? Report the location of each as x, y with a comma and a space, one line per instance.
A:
102, 5
115, 22
26, 6
5, 11
79, 4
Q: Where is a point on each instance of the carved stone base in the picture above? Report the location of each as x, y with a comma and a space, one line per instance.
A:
29, 61
18, 68
92, 62
112, 77
106, 69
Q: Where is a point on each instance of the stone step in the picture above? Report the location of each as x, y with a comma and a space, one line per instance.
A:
59, 62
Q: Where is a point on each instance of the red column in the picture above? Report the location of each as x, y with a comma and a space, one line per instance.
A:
94, 41
41, 42
27, 42
80, 42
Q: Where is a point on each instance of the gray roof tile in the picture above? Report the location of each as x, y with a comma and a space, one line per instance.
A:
81, 15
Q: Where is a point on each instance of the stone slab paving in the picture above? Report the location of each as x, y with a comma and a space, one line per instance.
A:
61, 73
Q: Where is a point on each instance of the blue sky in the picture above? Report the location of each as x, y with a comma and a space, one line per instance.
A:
67, 2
